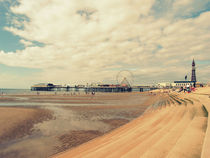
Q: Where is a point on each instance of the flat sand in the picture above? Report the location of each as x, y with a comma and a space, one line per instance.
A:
176, 127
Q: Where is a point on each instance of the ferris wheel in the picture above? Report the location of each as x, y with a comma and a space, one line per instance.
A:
125, 78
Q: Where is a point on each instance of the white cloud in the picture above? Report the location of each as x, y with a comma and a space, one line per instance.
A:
26, 43
92, 40
181, 3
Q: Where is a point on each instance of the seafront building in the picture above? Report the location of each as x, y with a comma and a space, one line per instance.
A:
184, 83
164, 85
193, 77
188, 83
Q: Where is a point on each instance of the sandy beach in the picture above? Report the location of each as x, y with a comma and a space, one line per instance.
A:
151, 124
176, 127
46, 124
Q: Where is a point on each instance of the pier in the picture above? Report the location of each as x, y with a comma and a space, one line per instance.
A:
99, 88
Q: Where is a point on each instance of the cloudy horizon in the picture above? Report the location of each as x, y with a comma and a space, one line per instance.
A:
86, 41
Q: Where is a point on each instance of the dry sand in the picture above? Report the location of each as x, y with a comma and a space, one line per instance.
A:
177, 127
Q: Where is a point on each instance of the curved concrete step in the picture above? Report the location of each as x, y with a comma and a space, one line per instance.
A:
147, 144
163, 147
190, 143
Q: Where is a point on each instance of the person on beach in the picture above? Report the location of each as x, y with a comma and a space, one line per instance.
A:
193, 89
184, 89
188, 89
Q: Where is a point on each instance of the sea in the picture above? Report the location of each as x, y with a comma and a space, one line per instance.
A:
15, 91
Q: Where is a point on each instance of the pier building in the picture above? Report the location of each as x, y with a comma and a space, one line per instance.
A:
42, 87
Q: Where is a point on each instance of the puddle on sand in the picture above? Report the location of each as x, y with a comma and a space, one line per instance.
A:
67, 120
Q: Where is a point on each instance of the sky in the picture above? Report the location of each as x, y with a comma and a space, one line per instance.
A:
89, 41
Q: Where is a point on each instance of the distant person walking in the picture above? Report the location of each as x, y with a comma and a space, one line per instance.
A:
184, 89
188, 88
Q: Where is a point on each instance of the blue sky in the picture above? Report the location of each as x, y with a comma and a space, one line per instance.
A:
43, 41
8, 41
164, 7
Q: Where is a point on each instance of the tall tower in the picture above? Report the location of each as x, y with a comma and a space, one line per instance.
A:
193, 77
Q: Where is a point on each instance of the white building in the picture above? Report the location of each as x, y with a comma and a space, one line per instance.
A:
175, 84
164, 84
182, 83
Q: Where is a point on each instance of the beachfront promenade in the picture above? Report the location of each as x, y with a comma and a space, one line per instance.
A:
177, 126
205, 97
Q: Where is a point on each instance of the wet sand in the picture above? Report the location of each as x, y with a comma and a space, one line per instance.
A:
18, 122
175, 127
35, 133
